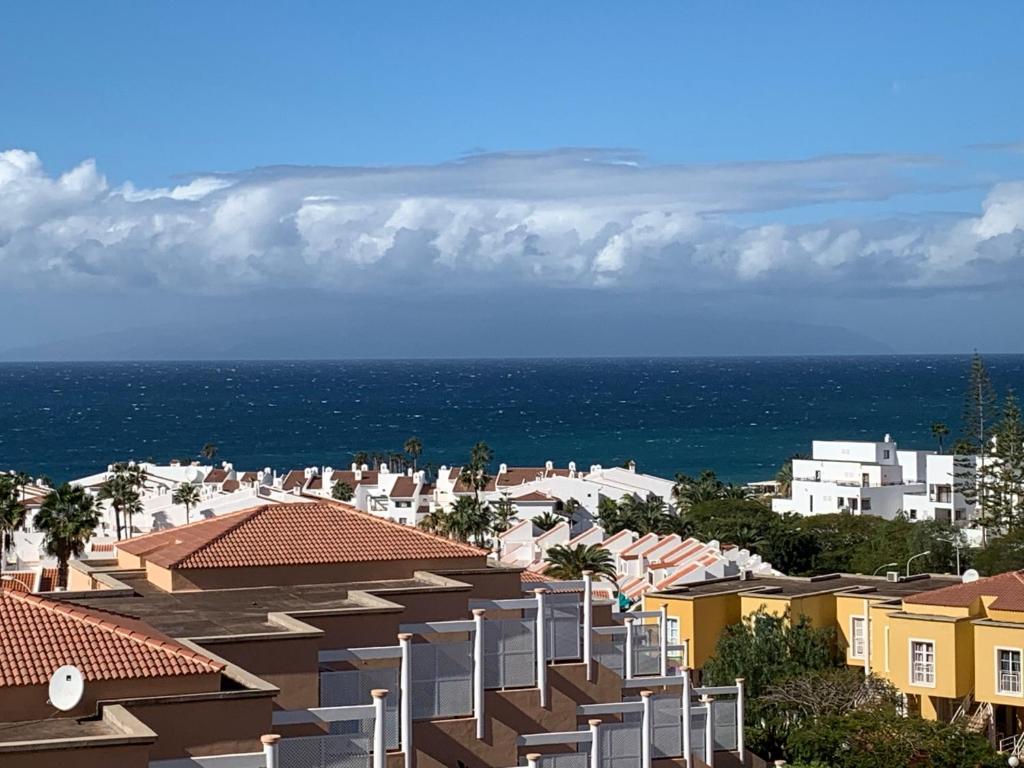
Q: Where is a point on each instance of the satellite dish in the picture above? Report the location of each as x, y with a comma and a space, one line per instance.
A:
194, 474
66, 688
970, 575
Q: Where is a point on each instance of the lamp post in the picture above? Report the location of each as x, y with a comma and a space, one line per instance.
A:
914, 557
887, 565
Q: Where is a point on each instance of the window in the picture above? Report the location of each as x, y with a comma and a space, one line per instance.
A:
865, 505
913, 514
961, 514
886, 453
857, 637
839, 502
1009, 671
853, 503
922, 663
817, 474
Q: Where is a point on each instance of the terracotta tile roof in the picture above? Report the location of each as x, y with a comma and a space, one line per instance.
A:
216, 476
293, 534
520, 475
672, 578
533, 577
533, 496
48, 580
615, 537
248, 477
404, 488
461, 487
230, 486
1007, 589
38, 635
18, 581
102, 547
369, 477
644, 543
294, 479
315, 483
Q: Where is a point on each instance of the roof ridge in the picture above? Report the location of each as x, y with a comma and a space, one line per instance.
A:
244, 516
99, 618
407, 528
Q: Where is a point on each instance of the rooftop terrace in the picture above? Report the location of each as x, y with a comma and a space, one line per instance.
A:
792, 586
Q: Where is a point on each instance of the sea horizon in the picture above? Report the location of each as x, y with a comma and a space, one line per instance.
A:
741, 416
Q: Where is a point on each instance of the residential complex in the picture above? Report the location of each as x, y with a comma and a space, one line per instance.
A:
877, 478
312, 634
952, 647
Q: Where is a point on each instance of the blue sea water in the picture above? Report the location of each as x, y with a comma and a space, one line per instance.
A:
739, 416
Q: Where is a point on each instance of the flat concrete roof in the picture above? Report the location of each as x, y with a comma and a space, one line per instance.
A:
56, 728
234, 611
794, 586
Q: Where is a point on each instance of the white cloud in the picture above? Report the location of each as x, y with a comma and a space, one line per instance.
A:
579, 218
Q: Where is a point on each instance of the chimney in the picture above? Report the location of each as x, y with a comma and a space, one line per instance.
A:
549, 465
354, 466
632, 466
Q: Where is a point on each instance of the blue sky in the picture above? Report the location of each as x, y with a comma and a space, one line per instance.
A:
741, 98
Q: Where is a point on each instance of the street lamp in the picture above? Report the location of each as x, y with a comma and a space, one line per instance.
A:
958, 545
914, 557
887, 565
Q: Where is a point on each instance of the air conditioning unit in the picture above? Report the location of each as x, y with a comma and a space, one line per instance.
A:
893, 576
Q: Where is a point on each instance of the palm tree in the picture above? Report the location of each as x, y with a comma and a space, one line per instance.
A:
342, 491
474, 474
939, 431
435, 522
68, 518
22, 480
468, 519
502, 515
132, 507
547, 521
186, 494
784, 477
12, 514
569, 563
414, 448
569, 509
359, 458
208, 451
122, 488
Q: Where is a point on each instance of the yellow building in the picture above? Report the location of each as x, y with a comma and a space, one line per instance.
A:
954, 649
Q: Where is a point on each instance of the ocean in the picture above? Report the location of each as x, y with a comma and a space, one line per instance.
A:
741, 417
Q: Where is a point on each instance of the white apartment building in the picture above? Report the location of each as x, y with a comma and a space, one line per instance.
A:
871, 478
943, 499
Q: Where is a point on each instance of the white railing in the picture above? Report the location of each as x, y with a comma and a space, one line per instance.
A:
1012, 745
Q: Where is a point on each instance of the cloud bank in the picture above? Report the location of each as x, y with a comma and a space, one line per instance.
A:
577, 218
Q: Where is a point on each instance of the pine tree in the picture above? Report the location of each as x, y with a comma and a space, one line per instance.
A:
1001, 476
980, 404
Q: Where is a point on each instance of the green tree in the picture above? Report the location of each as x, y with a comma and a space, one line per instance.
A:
12, 514
743, 522
569, 563
474, 474
608, 515
980, 406
1002, 473
569, 509
208, 451
467, 519
939, 431
1001, 554
122, 489
342, 491
546, 521
784, 477
502, 515
414, 447
188, 495
67, 519
765, 650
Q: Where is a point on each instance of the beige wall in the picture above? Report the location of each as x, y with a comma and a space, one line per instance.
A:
288, 662
230, 578
29, 702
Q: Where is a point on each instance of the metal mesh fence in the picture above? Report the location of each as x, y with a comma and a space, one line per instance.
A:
620, 745
352, 688
666, 726
646, 649
563, 628
442, 679
610, 650
724, 723
510, 653
565, 760
698, 723
334, 751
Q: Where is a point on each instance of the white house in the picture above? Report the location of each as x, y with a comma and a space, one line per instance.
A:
863, 478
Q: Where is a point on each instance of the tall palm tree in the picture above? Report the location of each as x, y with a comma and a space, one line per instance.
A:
68, 518
570, 507
435, 522
342, 491
187, 494
939, 431
474, 474
414, 448
468, 519
784, 477
12, 514
208, 451
132, 507
359, 458
569, 563
122, 489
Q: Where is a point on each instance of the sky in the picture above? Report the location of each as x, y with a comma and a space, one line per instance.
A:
321, 179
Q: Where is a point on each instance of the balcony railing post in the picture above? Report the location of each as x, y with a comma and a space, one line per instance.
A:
542, 650
867, 638
270, 749
595, 743
532, 760
687, 719
379, 750
709, 732
740, 703
588, 623
405, 699
645, 731
629, 647
663, 634
478, 670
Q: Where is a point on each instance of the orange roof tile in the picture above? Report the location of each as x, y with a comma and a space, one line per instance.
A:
18, 581
48, 580
294, 479
107, 546
216, 476
644, 543
293, 534
38, 635
533, 496
231, 485
1007, 589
